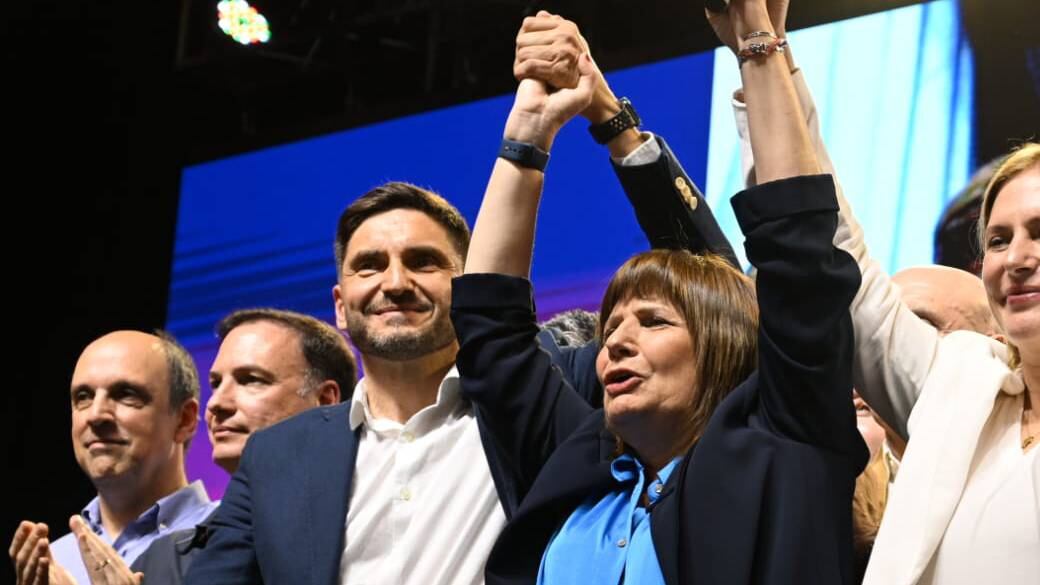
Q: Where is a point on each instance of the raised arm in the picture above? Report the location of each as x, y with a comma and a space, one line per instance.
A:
779, 137
524, 401
670, 209
805, 284
503, 236
895, 349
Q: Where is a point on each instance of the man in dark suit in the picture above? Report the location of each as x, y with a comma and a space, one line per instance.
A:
272, 364
394, 481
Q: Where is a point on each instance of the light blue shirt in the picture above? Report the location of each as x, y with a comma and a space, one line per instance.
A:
608, 541
183, 508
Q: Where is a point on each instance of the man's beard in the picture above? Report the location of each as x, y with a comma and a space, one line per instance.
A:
399, 344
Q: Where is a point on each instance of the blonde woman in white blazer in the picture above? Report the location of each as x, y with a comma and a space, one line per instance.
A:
965, 508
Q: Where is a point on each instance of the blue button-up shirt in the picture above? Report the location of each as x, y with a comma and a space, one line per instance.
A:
183, 508
608, 540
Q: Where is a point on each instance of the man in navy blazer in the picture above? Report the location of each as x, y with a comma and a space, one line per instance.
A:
271, 365
393, 484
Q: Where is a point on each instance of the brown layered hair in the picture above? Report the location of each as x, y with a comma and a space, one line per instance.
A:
721, 312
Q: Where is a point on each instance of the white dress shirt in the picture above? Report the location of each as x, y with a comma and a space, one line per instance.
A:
423, 507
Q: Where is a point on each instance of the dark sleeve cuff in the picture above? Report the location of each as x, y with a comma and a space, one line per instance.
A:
491, 291
784, 198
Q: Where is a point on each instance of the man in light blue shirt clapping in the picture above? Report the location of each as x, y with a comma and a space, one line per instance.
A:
135, 407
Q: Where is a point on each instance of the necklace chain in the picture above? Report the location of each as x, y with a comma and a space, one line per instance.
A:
1026, 415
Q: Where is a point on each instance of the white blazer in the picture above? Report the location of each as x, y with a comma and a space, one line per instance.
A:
939, 391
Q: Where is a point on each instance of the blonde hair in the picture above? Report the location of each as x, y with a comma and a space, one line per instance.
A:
719, 306
1020, 160
868, 506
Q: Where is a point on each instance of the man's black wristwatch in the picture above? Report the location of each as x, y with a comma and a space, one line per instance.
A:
625, 119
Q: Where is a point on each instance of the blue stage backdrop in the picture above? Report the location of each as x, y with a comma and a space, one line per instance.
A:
257, 229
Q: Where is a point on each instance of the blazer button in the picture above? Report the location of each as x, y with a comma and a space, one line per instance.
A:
687, 194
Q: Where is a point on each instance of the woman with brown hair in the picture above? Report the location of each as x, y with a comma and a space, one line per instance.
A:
727, 449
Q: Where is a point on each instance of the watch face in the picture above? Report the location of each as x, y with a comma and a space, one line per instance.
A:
625, 119
630, 113
525, 155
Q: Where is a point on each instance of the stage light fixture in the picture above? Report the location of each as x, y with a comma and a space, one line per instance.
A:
242, 22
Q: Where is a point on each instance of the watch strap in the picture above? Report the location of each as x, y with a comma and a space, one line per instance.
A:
524, 154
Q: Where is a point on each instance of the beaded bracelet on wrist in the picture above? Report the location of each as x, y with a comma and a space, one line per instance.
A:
756, 50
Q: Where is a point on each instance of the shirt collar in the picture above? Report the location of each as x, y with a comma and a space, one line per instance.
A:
448, 399
92, 514
179, 502
163, 513
627, 468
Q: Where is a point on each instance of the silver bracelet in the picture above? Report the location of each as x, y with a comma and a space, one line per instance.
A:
756, 34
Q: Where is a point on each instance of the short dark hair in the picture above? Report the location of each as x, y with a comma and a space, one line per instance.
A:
956, 233
400, 195
184, 375
324, 349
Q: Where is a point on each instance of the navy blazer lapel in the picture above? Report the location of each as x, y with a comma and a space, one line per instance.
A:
578, 467
664, 523
331, 450
577, 470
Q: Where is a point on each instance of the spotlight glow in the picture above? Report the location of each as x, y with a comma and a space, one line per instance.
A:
242, 22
